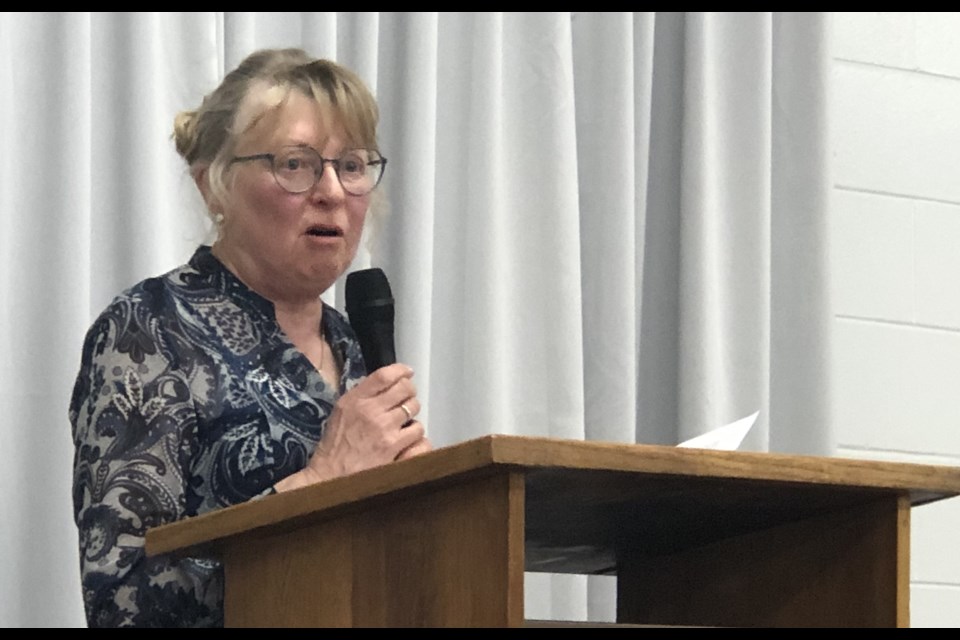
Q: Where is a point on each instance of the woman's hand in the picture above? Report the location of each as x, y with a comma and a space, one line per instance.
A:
416, 449
372, 424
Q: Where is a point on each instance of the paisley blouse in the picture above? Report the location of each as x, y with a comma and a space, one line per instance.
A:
189, 398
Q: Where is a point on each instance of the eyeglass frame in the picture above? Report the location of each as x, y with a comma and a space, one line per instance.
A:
272, 157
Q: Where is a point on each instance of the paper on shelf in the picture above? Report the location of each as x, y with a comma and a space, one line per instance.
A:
725, 438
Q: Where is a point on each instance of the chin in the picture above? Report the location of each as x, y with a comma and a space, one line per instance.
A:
323, 276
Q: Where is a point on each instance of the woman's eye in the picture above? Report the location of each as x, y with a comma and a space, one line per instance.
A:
352, 165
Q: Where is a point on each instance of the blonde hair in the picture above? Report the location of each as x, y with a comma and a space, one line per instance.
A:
206, 137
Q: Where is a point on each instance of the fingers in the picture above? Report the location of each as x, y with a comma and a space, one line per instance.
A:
407, 410
422, 445
384, 379
372, 424
380, 404
390, 390
407, 414
409, 437
404, 391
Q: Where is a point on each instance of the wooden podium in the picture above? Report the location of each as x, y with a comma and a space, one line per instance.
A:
695, 538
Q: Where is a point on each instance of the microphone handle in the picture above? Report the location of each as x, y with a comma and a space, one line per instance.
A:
376, 343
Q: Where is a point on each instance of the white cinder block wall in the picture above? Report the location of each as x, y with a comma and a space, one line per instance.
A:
896, 267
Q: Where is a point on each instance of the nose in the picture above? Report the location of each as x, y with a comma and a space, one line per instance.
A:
328, 186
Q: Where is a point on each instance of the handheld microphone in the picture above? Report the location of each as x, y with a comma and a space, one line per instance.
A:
370, 310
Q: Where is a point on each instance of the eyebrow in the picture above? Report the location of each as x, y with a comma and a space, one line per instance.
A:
304, 145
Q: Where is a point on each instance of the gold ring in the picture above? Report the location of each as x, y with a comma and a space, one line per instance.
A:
406, 411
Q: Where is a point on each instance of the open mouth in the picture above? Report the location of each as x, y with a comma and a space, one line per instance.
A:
324, 231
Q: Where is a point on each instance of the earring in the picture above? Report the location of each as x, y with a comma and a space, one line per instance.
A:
218, 219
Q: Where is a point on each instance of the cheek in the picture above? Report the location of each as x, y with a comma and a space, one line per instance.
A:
357, 211
266, 204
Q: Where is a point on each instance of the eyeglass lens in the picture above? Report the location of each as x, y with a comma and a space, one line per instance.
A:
298, 168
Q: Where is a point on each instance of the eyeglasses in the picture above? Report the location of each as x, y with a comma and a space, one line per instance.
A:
298, 169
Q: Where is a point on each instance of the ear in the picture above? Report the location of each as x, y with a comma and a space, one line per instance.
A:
201, 179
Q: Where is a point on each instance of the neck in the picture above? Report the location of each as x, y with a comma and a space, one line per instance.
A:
300, 322
278, 288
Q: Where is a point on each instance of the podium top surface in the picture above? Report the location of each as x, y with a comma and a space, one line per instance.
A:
576, 488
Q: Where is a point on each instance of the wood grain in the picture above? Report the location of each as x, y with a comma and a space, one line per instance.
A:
452, 558
638, 464
695, 537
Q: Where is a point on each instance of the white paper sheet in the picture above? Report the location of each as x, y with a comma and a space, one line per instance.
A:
725, 438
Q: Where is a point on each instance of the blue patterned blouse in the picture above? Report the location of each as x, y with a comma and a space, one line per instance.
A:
190, 398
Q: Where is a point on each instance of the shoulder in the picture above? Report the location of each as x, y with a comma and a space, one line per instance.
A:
130, 323
147, 297
155, 296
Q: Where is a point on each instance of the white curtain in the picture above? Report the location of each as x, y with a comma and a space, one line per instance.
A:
605, 226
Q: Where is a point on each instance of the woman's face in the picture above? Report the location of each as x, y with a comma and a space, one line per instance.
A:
289, 246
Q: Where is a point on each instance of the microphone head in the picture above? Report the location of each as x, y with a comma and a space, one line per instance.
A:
368, 293
369, 304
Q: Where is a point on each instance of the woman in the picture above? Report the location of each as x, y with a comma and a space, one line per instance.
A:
228, 378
